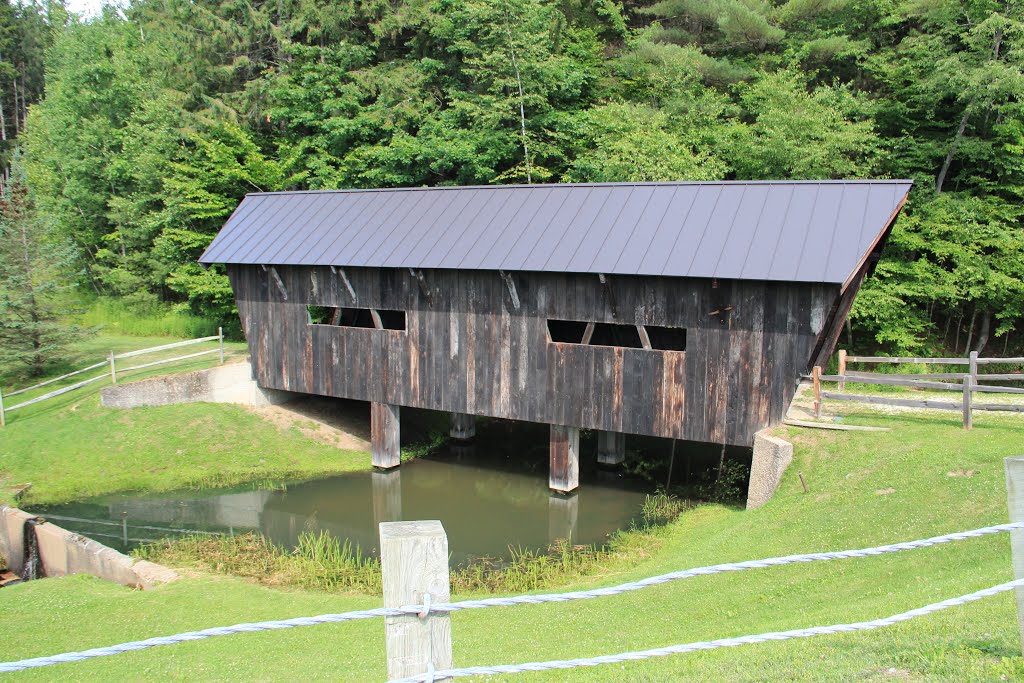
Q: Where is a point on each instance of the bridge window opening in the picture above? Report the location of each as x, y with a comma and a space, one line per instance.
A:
611, 334
567, 331
666, 338
356, 317
615, 334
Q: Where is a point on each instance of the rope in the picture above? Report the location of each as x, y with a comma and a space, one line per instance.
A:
441, 608
712, 644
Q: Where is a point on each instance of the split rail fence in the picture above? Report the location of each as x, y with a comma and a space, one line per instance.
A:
964, 383
111, 371
417, 611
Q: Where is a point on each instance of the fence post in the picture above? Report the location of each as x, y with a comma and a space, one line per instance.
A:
968, 390
842, 369
220, 341
1015, 500
113, 369
816, 374
974, 366
414, 563
3, 418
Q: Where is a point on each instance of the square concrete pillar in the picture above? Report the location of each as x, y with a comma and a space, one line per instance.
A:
462, 427
772, 456
611, 448
564, 475
385, 451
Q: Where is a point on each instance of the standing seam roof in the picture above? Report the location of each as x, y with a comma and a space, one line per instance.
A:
800, 231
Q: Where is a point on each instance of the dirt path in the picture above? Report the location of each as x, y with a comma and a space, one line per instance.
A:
336, 422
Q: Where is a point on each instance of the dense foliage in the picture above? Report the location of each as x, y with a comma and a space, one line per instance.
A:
158, 118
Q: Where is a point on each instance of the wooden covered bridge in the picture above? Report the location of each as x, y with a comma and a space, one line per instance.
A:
678, 310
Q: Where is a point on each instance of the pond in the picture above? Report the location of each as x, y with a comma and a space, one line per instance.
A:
490, 496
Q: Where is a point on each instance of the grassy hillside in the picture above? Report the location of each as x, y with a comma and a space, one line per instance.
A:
69, 447
925, 477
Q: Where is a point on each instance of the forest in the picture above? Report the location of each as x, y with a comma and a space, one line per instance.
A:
129, 137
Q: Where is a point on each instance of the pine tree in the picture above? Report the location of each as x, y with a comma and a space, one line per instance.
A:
34, 285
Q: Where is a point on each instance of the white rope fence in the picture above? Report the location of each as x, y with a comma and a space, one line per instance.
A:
711, 644
441, 608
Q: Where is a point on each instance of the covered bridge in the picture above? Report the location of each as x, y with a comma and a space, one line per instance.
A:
679, 310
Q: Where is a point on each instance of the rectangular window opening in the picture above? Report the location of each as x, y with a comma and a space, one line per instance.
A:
566, 331
659, 338
666, 338
612, 334
356, 317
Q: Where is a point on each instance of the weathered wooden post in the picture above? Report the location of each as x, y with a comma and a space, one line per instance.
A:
564, 456
968, 391
220, 342
462, 427
1015, 501
113, 369
842, 369
414, 562
816, 374
385, 449
3, 418
611, 448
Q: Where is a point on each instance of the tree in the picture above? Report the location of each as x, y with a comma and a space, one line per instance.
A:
35, 282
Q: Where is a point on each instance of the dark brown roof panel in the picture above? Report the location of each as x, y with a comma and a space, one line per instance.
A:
802, 231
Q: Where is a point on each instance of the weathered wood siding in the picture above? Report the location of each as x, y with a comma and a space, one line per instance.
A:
467, 350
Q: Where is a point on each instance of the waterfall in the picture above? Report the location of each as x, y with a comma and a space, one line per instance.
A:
33, 566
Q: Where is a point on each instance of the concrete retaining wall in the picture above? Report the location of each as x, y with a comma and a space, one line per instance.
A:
772, 456
224, 384
63, 552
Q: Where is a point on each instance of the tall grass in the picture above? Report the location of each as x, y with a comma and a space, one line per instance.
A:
145, 320
321, 561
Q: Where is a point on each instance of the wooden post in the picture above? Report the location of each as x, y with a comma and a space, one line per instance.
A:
113, 369
1015, 500
385, 451
842, 369
461, 427
414, 562
968, 390
611, 448
564, 474
973, 367
3, 418
220, 342
816, 374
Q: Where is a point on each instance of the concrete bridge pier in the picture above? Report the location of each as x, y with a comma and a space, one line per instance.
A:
462, 427
564, 473
611, 448
385, 451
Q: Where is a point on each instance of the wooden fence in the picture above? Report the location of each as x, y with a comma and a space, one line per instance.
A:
111, 370
965, 383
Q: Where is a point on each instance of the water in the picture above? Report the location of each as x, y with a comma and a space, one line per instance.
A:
489, 497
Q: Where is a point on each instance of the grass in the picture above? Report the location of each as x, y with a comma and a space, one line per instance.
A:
113, 316
865, 489
70, 447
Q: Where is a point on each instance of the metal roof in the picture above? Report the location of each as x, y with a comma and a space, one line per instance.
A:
804, 231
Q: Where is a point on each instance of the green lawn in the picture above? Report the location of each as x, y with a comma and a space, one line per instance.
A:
850, 504
69, 447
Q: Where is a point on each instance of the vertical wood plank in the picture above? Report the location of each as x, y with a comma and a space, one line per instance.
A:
414, 562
